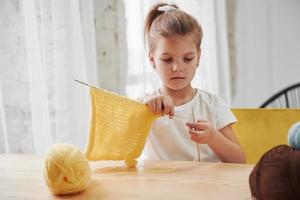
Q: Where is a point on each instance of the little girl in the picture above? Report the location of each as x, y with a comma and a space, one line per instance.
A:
199, 123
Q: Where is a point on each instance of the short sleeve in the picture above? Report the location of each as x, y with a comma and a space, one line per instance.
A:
223, 114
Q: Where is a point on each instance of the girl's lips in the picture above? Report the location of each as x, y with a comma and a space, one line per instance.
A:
178, 77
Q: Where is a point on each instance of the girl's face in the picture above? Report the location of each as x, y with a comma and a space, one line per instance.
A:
175, 60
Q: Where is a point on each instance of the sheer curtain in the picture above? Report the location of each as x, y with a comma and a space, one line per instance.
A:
44, 45
213, 73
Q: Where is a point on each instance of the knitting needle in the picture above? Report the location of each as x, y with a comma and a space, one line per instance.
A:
81, 82
197, 159
176, 115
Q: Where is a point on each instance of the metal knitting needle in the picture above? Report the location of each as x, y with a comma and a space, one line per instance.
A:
197, 159
176, 115
83, 83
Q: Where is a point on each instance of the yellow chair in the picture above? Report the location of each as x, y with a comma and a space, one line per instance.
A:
258, 130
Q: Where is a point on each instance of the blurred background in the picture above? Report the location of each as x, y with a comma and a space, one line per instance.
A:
250, 51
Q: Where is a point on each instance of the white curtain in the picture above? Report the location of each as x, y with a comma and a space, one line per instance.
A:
213, 73
44, 45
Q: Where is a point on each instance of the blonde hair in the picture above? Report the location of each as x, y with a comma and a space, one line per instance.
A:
170, 23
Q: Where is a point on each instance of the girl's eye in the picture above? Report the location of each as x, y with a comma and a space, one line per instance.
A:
188, 59
167, 60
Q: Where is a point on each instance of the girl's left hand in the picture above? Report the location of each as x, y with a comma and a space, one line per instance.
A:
201, 131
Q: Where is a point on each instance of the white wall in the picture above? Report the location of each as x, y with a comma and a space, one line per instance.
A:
267, 47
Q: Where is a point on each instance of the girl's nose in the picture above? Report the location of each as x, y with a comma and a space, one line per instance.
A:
176, 67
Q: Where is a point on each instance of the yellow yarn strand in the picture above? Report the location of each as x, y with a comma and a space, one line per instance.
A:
66, 169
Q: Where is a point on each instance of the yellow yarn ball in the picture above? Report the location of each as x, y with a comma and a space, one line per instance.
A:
66, 169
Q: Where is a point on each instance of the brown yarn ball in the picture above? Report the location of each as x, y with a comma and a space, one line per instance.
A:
277, 175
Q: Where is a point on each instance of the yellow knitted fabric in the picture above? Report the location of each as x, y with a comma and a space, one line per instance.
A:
119, 127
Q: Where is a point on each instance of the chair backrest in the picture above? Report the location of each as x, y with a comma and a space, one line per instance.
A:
287, 98
258, 130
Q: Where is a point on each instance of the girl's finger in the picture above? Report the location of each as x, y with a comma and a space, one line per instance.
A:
194, 138
151, 105
171, 113
199, 134
198, 140
158, 106
166, 106
197, 125
171, 107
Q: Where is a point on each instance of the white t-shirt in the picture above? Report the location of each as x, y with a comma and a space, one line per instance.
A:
169, 138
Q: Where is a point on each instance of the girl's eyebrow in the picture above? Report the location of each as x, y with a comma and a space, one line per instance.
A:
168, 54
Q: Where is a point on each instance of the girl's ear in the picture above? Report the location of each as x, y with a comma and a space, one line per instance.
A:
151, 58
198, 57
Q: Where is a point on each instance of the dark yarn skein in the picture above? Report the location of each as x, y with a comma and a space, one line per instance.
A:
277, 175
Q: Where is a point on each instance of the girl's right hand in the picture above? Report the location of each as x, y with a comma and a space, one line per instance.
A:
160, 104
